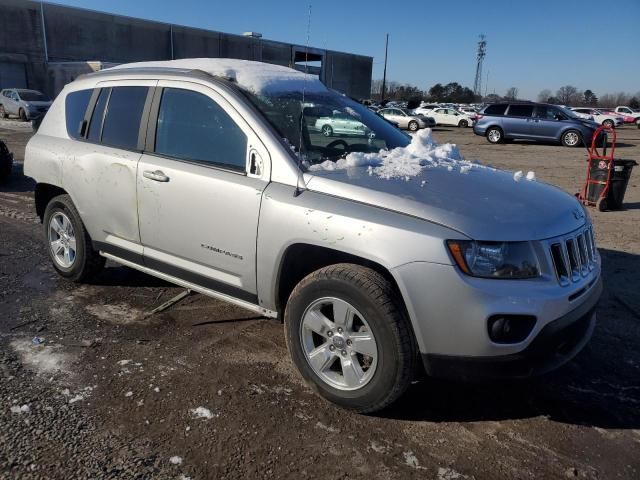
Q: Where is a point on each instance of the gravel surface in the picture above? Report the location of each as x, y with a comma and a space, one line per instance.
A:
92, 387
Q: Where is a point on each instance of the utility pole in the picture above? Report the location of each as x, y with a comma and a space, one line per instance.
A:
384, 74
482, 51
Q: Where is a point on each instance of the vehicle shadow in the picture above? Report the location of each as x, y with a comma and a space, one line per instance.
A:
116, 275
17, 182
600, 387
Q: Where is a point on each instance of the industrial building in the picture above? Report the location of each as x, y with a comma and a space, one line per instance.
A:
44, 46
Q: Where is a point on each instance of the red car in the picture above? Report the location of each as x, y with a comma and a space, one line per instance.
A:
625, 118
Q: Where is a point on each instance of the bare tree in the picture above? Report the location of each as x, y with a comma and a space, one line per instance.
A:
512, 94
545, 95
569, 95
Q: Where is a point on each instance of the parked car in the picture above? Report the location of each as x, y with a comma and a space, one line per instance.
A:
472, 112
629, 112
6, 162
475, 274
449, 116
599, 117
500, 122
407, 119
23, 103
340, 124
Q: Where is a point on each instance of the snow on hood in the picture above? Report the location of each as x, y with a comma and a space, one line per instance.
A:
404, 162
258, 77
433, 182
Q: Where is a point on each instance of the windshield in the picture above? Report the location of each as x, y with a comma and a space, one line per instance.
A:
326, 126
32, 96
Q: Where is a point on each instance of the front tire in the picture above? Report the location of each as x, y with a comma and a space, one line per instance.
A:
608, 123
571, 138
463, 124
327, 131
68, 243
3, 112
349, 337
23, 115
495, 135
413, 126
6, 162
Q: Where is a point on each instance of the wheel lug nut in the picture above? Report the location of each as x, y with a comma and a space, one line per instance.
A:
339, 330
349, 342
329, 333
344, 353
332, 347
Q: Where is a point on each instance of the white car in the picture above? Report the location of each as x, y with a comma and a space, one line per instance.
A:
468, 111
449, 116
598, 116
340, 124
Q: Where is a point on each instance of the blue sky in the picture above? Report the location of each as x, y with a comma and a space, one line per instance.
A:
531, 45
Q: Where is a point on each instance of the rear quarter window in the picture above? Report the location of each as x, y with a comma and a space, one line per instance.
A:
121, 123
75, 106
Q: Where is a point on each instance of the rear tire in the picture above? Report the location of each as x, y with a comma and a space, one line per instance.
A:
23, 115
495, 135
327, 131
463, 124
331, 359
413, 126
571, 138
3, 112
68, 243
6, 162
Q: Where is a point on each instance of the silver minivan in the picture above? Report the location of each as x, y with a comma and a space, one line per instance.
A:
382, 253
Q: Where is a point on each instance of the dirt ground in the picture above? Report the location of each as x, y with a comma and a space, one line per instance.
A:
92, 387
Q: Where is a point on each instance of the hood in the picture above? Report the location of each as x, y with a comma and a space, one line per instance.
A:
38, 104
480, 202
587, 123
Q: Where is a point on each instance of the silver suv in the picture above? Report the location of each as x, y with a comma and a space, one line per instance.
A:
380, 252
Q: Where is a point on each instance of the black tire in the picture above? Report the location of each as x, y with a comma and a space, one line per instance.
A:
495, 135
571, 138
6, 162
413, 126
87, 261
463, 124
608, 123
327, 131
372, 295
3, 112
23, 115
602, 204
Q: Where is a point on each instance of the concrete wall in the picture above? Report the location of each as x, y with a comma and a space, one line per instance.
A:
77, 35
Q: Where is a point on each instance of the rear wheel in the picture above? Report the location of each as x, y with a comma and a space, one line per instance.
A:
327, 131
495, 135
463, 124
23, 115
6, 162
571, 138
349, 338
413, 125
69, 245
3, 112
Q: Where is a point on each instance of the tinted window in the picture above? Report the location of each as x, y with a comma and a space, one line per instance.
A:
122, 120
520, 110
75, 106
95, 126
495, 109
545, 112
192, 126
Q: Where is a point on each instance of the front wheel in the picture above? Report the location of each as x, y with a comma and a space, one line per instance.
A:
3, 112
413, 125
327, 131
494, 135
68, 242
463, 124
571, 138
23, 115
608, 123
349, 337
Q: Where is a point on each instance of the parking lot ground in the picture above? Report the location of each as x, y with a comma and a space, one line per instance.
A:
92, 387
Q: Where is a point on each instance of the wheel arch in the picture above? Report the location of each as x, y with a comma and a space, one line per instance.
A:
44, 192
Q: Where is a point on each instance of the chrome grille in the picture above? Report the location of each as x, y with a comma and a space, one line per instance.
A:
574, 256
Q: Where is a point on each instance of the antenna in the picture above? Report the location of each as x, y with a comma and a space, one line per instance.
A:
482, 51
306, 72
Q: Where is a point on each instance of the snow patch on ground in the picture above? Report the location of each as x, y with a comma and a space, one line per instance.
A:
411, 460
15, 125
44, 359
404, 162
450, 474
20, 409
202, 412
257, 77
176, 460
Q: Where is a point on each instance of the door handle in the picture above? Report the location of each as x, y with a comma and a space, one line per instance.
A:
157, 176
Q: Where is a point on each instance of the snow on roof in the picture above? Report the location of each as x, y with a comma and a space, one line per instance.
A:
258, 77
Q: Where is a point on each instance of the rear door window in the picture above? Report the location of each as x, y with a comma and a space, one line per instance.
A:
192, 126
544, 112
121, 124
521, 110
75, 106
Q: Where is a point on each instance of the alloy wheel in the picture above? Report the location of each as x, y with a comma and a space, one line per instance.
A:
62, 240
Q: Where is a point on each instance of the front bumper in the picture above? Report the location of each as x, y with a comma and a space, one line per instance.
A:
557, 343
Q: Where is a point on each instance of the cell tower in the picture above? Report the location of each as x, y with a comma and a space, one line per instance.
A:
482, 51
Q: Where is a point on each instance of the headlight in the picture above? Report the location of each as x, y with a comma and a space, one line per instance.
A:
495, 259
